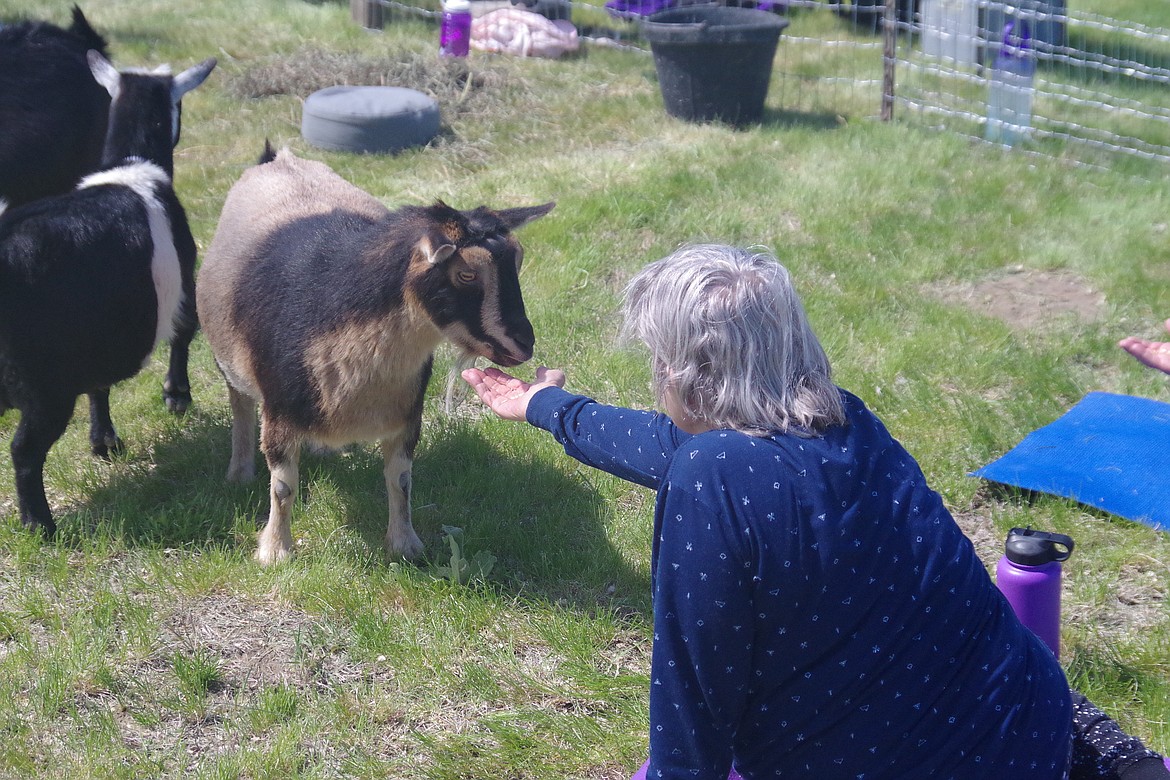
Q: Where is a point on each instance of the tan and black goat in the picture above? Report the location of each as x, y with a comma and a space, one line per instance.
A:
325, 307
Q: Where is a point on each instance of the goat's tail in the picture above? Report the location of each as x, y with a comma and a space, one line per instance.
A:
269, 153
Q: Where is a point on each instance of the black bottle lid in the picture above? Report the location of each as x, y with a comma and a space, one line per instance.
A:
1036, 548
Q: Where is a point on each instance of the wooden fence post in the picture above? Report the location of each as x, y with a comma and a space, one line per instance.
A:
889, 57
367, 13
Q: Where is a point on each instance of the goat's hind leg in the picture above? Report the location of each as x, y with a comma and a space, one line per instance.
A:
103, 439
177, 385
38, 430
282, 448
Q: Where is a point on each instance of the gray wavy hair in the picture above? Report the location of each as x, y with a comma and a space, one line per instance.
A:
729, 337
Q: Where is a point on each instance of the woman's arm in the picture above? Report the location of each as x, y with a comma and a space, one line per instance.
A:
634, 445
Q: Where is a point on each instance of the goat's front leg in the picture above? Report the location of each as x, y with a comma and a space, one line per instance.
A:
38, 430
282, 449
397, 456
103, 439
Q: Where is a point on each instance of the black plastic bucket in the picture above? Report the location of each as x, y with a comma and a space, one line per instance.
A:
714, 62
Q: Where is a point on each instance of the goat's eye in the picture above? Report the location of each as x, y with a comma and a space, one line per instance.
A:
466, 277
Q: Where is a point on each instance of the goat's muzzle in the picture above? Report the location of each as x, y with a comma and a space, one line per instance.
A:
524, 341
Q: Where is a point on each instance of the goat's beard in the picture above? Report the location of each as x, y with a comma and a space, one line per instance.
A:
463, 361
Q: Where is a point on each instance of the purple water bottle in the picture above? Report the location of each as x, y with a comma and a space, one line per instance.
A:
1029, 575
1011, 87
455, 28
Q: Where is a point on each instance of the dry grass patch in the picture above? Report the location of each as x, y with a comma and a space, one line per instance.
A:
449, 80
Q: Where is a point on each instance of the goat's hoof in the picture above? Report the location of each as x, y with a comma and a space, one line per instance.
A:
177, 402
409, 547
108, 447
270, 557
47, 528
241, 473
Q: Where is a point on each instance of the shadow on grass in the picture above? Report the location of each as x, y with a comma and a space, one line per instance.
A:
546, 526
173, 495
778, 117
1026, 498
785, 118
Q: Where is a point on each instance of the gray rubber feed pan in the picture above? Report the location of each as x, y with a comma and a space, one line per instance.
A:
369, 119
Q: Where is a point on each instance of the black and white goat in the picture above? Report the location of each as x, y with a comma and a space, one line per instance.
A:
53, 122
325, 308
92, 280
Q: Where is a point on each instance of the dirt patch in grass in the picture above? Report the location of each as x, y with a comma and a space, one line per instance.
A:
1028, 299
978, 527
256, 647
254, 644
1140, 605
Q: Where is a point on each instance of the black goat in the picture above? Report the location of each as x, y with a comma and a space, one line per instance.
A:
53, 122
92, 280
53, 114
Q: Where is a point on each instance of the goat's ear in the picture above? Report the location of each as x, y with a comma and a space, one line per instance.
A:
436, 256
105, 73
191, 78
515, 218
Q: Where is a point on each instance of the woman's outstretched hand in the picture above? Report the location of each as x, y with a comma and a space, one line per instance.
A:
1155, 354
506, 395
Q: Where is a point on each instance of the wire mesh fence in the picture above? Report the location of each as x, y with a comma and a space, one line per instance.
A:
829, 63
1097, 91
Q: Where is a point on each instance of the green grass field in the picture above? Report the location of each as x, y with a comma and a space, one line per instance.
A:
144, 642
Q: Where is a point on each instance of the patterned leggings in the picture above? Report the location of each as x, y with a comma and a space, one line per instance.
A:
1102, 751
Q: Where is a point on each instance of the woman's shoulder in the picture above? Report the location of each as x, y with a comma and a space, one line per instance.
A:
736, 447
727, 451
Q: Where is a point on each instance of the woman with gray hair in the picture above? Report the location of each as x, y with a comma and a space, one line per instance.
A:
817, 611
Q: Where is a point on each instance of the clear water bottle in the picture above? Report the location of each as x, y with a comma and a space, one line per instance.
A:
1029, 575
455, 28
1009, 99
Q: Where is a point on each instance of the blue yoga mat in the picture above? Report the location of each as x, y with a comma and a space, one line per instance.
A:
1108, 451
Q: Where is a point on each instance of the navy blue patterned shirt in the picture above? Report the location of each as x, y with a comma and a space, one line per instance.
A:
817, 611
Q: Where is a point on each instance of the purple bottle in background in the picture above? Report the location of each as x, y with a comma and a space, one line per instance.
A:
1011, 87
455, 28
1028, 574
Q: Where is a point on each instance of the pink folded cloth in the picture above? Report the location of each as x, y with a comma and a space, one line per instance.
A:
523, 33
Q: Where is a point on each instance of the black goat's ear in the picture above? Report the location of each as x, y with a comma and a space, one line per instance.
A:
518, 217
438, 255
191, 78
